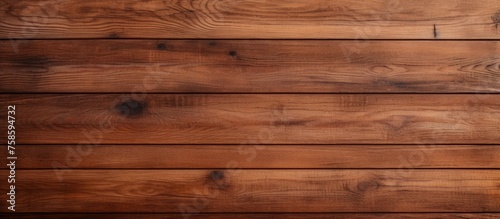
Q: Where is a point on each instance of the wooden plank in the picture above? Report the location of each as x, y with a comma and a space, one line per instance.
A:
325, 19
195, 191
254, 119
260, 216
251, 66
406, 157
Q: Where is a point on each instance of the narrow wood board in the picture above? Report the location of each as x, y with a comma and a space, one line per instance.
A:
254, 119
256, 216
312, 19
250, 66
404, 157
195, 191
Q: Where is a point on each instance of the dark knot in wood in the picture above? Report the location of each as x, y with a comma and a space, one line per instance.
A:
161, 46
216, 175
131, 108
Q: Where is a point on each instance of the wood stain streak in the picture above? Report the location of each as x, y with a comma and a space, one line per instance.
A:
496, 19
291, 122
185, 101
34, 64
435, 32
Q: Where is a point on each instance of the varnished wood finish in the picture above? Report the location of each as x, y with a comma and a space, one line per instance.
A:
252, 108
255, 119
406, 157
259, 216
258, 191
250, 66
325, 19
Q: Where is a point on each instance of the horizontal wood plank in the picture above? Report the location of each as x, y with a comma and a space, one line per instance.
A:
250, 66
258, 216
256, 191
254, 119
324, 19
405, 157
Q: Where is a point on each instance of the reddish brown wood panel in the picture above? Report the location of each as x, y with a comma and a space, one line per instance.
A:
250, 66
255, 119
251, 108
194, 191
404, 157
260, 216
325, 19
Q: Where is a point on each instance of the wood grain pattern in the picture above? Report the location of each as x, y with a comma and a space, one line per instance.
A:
257, 191
251, 66
325, 19
252, 108
406, 157
255, 119
260, 216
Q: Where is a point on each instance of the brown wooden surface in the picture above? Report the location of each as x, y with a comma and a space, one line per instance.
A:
325, 19
261, 216
255, 119
252, 108
406, 157
250, 66
257, 191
